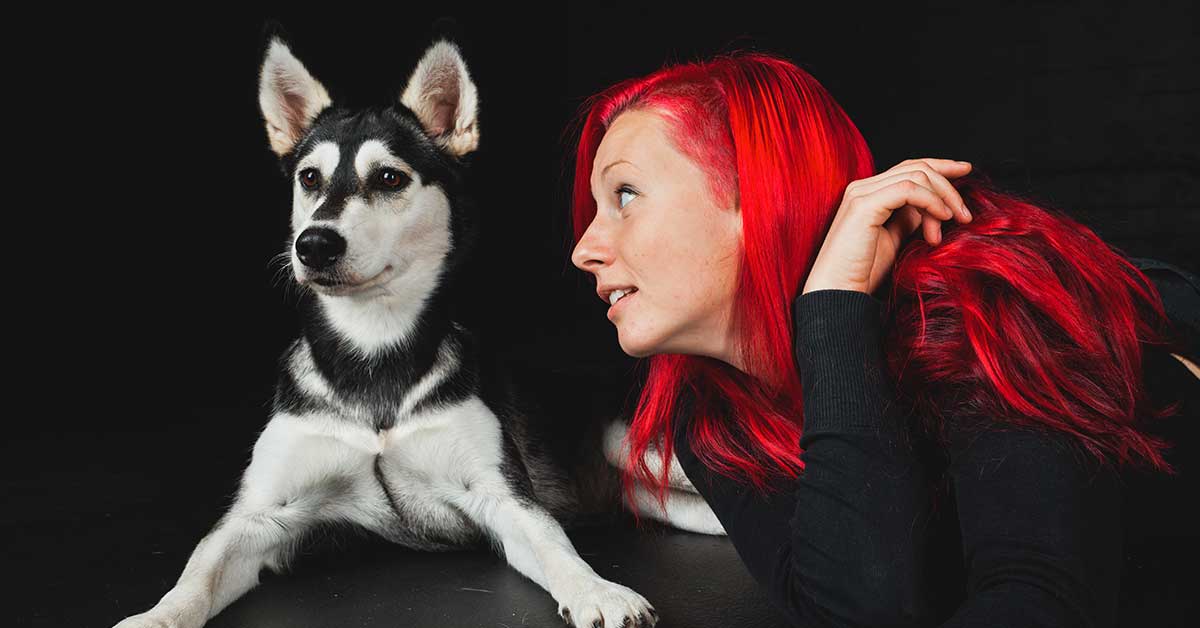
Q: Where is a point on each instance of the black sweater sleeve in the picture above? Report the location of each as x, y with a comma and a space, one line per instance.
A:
846, 543
1041, 530
843, 545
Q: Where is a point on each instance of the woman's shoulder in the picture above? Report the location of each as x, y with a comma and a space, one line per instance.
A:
1180, 292
1152, 264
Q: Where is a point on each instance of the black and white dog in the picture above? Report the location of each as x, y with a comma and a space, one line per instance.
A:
384, 415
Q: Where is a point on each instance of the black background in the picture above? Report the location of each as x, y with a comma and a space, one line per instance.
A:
161, 292
150, 316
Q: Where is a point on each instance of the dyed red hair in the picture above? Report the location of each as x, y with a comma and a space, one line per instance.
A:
1022, 314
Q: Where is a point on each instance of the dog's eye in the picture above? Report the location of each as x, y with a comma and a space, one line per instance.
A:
310, 178
392, 178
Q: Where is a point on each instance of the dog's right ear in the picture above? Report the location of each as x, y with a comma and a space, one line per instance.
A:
289, 96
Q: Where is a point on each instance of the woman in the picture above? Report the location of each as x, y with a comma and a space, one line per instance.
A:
802, 344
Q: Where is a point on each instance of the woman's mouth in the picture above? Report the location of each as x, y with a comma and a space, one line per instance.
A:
612, 309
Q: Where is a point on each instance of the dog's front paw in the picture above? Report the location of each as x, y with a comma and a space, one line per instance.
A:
598, 603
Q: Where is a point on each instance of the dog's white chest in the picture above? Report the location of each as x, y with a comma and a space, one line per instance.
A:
453, 447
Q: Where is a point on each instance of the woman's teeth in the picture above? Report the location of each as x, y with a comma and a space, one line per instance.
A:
617, 294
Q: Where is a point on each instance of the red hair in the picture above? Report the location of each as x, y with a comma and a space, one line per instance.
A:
1006, 307
1027, 316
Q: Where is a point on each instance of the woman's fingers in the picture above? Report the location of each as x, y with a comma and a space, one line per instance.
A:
938, 172
914, 177
922, 173
885, 201
915, 193
944, 167
895, 195
932, 228
903, 222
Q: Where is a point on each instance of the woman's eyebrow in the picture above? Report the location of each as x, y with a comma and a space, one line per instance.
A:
619, 161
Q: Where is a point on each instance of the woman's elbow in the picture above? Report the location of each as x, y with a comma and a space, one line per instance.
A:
869, 596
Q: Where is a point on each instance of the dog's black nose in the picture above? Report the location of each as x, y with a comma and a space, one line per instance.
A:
319, 247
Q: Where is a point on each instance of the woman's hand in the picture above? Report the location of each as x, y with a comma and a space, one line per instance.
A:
867, 230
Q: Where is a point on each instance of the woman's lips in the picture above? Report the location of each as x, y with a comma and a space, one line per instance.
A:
612, 309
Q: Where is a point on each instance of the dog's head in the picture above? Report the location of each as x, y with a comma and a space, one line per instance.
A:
372, 188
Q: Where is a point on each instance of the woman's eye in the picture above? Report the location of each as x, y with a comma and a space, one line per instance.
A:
621, 192
309, 178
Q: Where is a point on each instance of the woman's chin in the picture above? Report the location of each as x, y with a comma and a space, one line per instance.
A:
635, 347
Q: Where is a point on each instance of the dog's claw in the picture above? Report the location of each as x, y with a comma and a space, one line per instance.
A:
597, 602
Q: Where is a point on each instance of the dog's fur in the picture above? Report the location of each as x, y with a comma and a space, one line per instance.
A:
386, 414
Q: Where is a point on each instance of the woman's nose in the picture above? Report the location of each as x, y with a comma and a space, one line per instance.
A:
590, 252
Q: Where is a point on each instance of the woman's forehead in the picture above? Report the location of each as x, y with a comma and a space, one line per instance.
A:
636, 137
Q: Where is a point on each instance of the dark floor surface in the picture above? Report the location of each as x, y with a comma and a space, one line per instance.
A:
98, 524
102, 529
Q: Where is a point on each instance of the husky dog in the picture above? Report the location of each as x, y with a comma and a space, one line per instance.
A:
384, 415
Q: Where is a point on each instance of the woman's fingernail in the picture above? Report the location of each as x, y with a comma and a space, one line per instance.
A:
966, 212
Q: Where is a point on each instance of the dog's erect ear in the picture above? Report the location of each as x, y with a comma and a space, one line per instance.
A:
441, 93
289, 96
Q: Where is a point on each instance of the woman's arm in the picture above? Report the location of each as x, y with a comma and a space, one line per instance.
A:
844, 544
1042, 522
1041, 529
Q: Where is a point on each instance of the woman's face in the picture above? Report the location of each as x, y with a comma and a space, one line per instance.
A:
657, 229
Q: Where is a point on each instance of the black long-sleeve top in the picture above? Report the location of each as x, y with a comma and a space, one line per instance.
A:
1002, 527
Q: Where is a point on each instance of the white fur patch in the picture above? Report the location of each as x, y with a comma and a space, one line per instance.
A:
324, 157
414, 239
686, 511
374, 153
616, 451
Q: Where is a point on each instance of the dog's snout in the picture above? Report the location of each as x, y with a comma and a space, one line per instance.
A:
318, 247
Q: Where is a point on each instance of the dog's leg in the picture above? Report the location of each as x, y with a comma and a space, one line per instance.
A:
519, 554
536, 545
296, 479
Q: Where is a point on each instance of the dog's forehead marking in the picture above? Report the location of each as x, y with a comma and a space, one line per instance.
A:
317, 205
372, 152
325, 156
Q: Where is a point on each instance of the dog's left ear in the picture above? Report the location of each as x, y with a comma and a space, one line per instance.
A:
289, 96
441, 93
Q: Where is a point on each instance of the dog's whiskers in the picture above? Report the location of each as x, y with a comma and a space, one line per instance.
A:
284, 274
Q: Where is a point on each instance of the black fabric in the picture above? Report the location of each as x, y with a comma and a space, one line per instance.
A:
1031, 532
1180, 291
